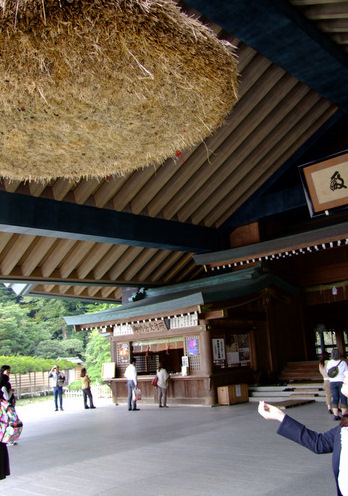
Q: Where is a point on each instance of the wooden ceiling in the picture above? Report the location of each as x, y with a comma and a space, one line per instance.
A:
329, 16
92, 238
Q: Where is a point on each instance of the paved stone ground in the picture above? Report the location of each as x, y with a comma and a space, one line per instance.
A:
194, 451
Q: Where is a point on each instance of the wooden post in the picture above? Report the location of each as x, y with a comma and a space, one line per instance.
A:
266, 304
340, 341
206, 352
303, 329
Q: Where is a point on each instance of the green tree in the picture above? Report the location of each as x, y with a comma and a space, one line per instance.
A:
25, 364
97, 353
35, 326
50, 348
19, 335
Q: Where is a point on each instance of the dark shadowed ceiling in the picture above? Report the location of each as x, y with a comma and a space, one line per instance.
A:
92, 238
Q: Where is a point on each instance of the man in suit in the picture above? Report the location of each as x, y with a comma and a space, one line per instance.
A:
333, 441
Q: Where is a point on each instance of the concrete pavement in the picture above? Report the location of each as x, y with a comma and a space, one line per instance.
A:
195, 451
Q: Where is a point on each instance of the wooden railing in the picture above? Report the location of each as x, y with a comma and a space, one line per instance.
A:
98, 391
38, 384
31, 384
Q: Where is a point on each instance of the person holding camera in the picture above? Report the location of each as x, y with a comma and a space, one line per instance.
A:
58, 379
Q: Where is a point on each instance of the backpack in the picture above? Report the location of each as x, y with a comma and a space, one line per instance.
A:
333, 371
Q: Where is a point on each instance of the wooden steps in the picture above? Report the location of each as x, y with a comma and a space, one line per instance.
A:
301, 393
303, 384
307, 371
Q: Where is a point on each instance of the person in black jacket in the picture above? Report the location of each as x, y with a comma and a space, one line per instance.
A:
334, 441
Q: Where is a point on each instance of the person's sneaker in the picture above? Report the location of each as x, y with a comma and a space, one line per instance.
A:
86, 407
92, 407
337, 417
61, 410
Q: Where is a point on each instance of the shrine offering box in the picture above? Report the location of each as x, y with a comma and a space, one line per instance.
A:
234, 393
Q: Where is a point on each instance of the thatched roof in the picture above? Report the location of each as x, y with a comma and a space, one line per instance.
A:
96, 88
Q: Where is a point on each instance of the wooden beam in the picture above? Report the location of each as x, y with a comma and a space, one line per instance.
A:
18, 249
313, 57
216, 314
37, 253
288, 144
44, 217
285, 244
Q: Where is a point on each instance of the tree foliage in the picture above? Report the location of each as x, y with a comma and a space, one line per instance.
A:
25, 364
97, 353
35, 326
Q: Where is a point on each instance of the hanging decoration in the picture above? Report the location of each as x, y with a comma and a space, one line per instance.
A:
105, 87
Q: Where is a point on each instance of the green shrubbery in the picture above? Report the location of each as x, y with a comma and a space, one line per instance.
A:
74, 386
26, 364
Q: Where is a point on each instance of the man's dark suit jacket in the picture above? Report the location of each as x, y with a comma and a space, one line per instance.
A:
326, 442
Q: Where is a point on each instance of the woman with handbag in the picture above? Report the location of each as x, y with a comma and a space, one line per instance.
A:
326, 379
162, 384
336, 376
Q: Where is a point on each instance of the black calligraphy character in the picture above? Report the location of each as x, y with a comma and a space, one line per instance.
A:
337, 182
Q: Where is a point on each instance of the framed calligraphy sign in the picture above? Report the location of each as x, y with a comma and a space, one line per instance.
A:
326, 184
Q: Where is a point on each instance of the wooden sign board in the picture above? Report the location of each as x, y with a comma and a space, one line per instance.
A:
326, 184
149, 327
108, 370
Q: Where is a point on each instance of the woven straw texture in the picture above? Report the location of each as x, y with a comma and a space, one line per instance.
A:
100, 88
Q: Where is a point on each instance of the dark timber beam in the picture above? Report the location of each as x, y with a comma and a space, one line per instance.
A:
281, 33
22, 214
271, 204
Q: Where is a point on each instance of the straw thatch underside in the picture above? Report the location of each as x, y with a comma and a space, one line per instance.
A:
95, 88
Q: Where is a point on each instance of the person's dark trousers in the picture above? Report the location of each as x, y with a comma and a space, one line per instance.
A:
131, 404
87, 393
58, 392
337, 396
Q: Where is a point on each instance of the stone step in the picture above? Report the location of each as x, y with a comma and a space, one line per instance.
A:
271, 394
266, 388
288, 387
290, 392
274, 399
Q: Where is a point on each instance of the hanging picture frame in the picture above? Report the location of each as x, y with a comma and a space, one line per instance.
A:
325, 184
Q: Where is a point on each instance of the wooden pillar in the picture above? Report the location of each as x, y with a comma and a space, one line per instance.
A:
266, 305
340, 341
206, 352
303, 329
113, 351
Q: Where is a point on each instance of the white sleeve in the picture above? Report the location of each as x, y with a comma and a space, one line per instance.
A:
7, 395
